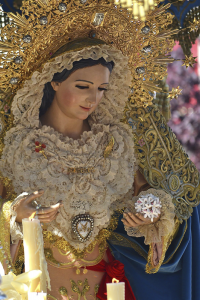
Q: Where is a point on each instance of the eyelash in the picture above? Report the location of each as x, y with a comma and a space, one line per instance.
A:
85, 87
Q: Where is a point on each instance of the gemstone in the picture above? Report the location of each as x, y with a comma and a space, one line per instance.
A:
43, 20
62, 7
1, 247
140, 70
27, 38
18, 60
14, 80
145, 29
82, 226
147, 49
83, 1
98, 19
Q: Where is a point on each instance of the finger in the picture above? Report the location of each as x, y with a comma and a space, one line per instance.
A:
49, 215
146, 220
130, 217
33, 196
126, 223
30, 212
52, 208
141, 217
50, 219
130, 220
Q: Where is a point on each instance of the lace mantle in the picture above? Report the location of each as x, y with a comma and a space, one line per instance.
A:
27, 101
99, 192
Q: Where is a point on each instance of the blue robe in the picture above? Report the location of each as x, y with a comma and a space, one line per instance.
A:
179, 279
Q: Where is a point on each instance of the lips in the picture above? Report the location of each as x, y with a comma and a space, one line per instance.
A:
85, 108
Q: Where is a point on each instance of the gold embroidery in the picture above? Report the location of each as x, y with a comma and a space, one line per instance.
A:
63, 245
96, 289
150, 269
5, 255
63, 291
51, 297
179, 242
109, 148
117, 239
162, 159
75, 288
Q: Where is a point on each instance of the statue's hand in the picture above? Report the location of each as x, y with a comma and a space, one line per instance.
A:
25, 209
135, 220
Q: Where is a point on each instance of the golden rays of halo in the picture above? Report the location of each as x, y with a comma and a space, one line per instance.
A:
189, 61
175, 92
45, 25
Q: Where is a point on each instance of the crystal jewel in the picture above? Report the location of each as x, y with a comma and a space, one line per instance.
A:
43, 20
18, 60
62, 7
27, 38
147, 49
98, 19
145, 29
140, 70
14, 80
82, 226
83, 1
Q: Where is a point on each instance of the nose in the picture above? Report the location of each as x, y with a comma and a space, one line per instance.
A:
92, 98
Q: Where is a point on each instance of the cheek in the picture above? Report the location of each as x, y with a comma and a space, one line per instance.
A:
66, 97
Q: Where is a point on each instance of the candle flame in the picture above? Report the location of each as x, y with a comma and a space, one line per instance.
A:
114, 280
32, 216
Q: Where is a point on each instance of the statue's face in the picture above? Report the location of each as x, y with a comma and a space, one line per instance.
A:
79, 95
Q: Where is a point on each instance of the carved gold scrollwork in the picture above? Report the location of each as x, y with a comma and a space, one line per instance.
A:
162, 159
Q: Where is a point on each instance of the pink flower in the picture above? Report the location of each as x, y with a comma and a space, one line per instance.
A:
6, 108
141, 142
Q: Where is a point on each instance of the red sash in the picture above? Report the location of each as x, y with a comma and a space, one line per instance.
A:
113, 269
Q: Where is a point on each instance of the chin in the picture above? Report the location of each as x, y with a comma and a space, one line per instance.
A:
82, 118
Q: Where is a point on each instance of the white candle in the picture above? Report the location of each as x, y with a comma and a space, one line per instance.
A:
116, 291
37, 296
34, 254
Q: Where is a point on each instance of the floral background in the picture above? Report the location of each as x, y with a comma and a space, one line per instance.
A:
185, 111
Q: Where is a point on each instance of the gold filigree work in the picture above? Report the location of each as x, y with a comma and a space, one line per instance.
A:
32, 39
76, 254
162, 159
76, 288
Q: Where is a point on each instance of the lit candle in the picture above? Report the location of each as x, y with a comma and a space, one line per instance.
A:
115, 290
34, 254
37, 296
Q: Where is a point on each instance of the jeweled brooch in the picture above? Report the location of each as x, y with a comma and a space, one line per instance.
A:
82, 226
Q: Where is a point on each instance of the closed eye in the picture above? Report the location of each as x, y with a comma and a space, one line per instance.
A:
102, 89
82, 87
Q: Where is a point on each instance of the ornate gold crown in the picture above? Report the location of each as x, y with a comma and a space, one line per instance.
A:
32, 39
